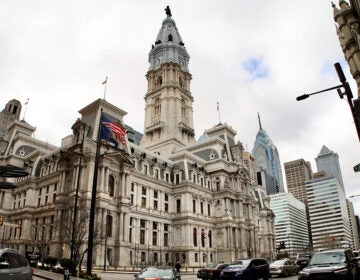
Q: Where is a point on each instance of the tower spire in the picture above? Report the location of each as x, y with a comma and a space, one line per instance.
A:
259, 121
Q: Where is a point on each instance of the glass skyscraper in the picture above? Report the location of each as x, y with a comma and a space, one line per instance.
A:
268, 160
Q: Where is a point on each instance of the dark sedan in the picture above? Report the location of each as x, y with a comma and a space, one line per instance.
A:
211, 272
246, 269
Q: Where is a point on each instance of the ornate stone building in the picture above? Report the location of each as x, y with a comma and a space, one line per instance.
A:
164, 199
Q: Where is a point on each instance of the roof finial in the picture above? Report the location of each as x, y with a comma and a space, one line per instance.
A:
168, 11
259, 121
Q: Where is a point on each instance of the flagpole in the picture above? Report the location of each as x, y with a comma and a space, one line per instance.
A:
105, 82
93, 201
26, 105
218, 109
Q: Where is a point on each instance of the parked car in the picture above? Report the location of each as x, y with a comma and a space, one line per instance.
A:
14, 265
302, 259
247, 269
283, 267
159, 273
331, 264
211, 272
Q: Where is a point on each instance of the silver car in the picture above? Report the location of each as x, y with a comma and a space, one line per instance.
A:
13, 265
283, 267
158, 273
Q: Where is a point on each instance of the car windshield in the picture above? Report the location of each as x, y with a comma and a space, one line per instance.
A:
278, 262
327, 258
156, 273
213, 265
241, 263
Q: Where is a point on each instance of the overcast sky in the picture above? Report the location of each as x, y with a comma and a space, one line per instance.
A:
251, 56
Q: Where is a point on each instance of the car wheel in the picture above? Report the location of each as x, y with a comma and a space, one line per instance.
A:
286, 273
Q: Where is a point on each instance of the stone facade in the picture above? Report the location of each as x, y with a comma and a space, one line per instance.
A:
169, 198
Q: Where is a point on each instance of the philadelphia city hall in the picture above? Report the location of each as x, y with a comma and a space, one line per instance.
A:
160, 196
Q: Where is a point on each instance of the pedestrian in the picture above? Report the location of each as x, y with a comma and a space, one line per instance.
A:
178, 266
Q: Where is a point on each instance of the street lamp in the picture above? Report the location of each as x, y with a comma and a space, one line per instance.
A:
354, 107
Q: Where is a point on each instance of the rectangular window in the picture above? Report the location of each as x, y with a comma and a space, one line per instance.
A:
142, 223
178, 206
166, 227
132, 199
143, 202
155, 205
155, 225
142, 236
143, 190
194, 206
132, 187
166, 197
154, 240
155, 194
202, 208
166, 239
209, 212
166, 208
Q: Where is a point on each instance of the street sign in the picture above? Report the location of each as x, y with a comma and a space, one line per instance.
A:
357, 168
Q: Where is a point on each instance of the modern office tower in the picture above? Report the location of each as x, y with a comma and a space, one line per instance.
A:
329, 219
297, 172
353, 226
267, 158
250, 163
290, 222
160, 197
328, 161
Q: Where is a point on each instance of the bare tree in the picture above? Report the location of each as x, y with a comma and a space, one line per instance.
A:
41, 235
81, 232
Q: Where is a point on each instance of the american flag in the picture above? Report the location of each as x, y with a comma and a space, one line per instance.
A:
112, 131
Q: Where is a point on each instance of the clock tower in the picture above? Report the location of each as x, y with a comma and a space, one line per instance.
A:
168, 109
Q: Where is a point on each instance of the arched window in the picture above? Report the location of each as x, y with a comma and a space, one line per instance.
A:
109, 222
158, 81
183, 107
181, 82
111, 185
157, 106
156, 258
195, 237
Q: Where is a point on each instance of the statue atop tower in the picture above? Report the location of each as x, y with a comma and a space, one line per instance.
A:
168, 11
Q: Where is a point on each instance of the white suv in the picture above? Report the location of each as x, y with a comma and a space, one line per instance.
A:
13, 265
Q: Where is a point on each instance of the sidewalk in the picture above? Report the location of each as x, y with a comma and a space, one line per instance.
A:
44, 274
